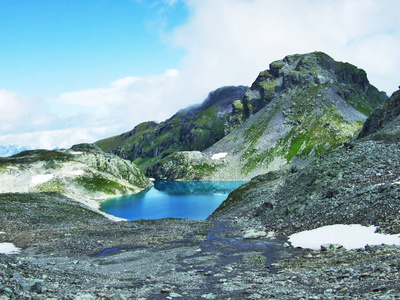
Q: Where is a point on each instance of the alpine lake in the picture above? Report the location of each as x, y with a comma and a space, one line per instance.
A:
172, 199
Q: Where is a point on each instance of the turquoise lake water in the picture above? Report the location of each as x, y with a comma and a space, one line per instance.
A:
172, 199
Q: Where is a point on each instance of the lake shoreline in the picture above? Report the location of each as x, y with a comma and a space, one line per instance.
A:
170, 199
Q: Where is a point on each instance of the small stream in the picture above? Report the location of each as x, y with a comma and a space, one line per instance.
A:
221, 239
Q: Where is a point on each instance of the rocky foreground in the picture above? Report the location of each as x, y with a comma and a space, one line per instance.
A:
69, 252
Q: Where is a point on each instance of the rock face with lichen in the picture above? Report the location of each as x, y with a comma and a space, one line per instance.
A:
385, 116
84, 173
303, 106
358, 183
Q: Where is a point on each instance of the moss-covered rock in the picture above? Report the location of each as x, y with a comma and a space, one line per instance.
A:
84, 173
382, 116
185, 166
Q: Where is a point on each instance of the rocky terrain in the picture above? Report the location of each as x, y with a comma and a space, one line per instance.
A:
303, 106
78, 254
84, 173
194, 128
357, 183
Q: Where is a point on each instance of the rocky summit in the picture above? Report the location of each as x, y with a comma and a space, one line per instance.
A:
302, 107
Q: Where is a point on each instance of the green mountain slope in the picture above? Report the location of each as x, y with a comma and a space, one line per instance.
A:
83, 173
194, 128
301, 107
358, 183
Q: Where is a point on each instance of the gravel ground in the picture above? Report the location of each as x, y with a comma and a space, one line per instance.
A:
69, 252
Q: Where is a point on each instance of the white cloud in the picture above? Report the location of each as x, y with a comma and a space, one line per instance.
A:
89, 115
17, 113
63, 138
13, 110
128, 101
226, 42
230, 41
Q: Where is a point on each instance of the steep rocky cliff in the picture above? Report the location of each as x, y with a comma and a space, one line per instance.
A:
356, 183
301, 107
84, 173
386, 114
194, 128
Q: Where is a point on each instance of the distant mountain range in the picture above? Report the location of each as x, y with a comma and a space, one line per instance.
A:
301, 107
10, 150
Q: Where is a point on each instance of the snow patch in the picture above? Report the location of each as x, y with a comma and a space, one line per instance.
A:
38, 179
349, 236
76, 152
77, 172
9, 248
219, 155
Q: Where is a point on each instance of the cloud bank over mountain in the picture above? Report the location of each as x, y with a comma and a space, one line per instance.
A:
224, 43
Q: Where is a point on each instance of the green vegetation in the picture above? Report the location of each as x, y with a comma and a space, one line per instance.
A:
52, 164
268, 89
107, 143
39, 155
255, 260
50, 186
360, 106
98, 183
3, 169
312, 133
238, 105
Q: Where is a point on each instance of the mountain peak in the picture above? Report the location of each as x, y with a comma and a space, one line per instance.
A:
301, 107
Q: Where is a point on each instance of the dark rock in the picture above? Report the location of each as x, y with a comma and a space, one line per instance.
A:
382, 116
331, 247
86, 148
31, 285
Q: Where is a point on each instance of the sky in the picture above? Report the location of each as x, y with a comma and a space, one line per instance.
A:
80, 71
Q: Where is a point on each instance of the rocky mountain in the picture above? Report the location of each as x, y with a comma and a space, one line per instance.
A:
357, 183
194, 128
83, 173
303, 106
385, 116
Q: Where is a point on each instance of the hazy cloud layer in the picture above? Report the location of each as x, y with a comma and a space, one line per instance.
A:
227, 42
88, 115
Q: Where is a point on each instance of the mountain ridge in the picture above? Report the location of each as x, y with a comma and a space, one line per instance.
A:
301, 107
358, 183
193, 128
